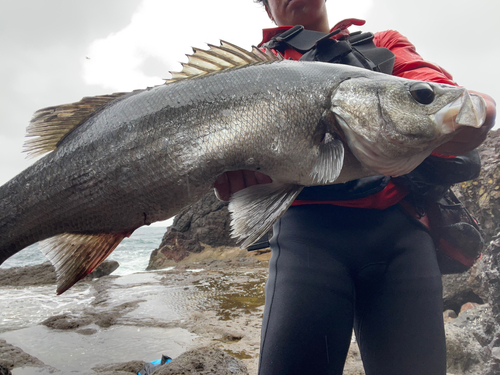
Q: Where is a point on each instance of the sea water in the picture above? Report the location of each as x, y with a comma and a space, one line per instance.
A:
24, 306
132, 254
22, 309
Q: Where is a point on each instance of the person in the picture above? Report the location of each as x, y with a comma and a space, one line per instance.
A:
356, 262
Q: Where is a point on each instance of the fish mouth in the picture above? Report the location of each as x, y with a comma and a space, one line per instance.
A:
466, 110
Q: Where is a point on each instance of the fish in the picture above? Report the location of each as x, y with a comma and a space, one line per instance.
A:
113, 163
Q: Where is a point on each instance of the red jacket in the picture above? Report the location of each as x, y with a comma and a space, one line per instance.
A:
408, 64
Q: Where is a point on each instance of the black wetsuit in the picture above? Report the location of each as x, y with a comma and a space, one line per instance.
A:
334, 268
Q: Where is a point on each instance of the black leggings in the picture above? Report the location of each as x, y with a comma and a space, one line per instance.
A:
335, 268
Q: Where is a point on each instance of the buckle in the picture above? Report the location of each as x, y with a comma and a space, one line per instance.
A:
290, 33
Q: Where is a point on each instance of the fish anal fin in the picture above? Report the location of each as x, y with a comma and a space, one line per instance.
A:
74, 256
255, 209
50, 125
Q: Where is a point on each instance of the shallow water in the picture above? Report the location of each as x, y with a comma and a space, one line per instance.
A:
140, 331
142, 310
22, 307
159, 303
71, 352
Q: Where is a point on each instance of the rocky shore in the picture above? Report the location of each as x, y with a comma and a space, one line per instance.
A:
205, 313
205, 309
210, 310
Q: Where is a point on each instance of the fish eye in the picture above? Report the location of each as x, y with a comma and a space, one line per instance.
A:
422, 92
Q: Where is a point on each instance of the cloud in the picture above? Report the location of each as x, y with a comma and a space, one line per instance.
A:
160, 33
43, 44
459, 36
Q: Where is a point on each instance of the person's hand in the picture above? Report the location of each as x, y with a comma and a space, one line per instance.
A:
229, 183
468, 138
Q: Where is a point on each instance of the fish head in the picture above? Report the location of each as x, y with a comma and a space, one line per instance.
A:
391, 124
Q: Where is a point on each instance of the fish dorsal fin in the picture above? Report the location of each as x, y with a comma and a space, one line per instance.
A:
74, 256
255, 209
219, 58
50, 125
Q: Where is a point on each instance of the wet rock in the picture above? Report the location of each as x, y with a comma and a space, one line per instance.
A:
484, 321
103, 319
87, 331
131, 367
231, 336
457, 291
482, 195
66, 322
473, 329
174, 247
486, 276
11, 357
468, 306
204, 361
106, 320
495, 353
464, 353
105, 268
40, 274
207, 222
449, 314
43, 274
111, 315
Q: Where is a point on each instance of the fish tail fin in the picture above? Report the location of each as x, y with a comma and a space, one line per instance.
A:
74, 256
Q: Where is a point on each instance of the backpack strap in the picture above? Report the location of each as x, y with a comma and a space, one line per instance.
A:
382, 57
356, 49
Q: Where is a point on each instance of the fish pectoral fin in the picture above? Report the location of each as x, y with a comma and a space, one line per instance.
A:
255, 209
74, 256
330, 161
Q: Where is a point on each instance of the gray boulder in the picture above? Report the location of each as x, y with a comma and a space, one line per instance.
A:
204, 361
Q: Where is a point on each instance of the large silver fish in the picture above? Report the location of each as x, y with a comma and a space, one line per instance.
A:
122, 161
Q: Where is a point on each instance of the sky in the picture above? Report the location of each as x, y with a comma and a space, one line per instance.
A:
58, 51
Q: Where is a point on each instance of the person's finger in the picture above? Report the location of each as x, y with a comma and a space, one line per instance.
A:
249, 177
236, 181
230, 182
222, 187
262, 178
